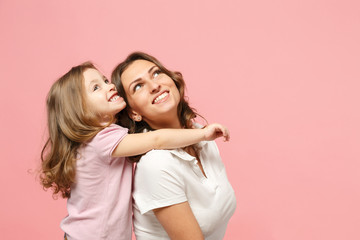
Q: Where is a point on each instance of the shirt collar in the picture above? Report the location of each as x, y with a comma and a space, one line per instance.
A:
180, 153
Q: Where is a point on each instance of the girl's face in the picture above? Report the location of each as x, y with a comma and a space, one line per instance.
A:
151, 94
100, 95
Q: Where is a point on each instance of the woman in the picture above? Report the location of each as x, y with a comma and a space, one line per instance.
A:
178, 194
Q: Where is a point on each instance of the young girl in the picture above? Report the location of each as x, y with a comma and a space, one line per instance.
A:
84, 157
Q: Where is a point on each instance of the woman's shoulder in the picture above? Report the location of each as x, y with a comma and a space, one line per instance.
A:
156, 155
158, 160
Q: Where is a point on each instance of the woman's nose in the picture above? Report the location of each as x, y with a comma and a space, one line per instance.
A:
154, 87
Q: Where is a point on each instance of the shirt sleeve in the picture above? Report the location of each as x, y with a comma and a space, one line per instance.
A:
108, 139
158, 181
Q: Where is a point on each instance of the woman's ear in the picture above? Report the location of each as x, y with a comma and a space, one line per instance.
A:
134, 115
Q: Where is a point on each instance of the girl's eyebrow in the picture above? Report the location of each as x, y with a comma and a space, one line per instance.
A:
92, 83
96, 80
139, 79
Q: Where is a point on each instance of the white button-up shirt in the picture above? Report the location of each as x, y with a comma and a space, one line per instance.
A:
167, 177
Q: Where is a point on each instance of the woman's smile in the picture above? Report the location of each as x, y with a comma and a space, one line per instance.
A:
161, 98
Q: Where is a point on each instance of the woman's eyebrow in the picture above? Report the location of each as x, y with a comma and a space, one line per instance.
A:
151, 68
139, 79
133, 82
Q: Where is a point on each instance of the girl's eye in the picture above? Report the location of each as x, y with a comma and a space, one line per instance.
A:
96, 87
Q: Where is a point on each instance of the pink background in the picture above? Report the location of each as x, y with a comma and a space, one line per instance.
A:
282, 75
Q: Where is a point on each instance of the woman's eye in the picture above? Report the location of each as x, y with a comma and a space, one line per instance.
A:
106, 81
156, 73
137, 87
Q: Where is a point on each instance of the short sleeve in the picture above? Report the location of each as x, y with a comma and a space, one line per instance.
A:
108, 139
158, 181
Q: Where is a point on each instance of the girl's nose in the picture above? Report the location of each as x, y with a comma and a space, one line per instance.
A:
112, 87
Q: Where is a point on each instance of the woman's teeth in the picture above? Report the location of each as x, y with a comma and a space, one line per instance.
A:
161, 97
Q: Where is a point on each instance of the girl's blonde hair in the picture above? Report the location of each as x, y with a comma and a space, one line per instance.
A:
70, 124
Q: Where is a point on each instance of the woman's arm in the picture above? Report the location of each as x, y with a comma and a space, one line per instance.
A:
139, 143
179, 222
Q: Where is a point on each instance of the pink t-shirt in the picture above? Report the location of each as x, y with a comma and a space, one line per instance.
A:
100, 202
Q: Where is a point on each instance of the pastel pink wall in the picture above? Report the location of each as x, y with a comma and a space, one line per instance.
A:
284, 77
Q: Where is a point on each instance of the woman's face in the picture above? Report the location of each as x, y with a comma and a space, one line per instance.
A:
151, 94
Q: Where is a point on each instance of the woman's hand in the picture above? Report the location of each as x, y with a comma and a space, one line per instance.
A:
216, 130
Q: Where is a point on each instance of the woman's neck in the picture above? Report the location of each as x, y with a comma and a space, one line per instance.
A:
174, 123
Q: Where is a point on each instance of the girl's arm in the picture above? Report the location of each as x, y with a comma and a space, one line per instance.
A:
139, 143
179, 222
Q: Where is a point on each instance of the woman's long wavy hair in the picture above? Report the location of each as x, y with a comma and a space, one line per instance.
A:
70, 124
186, 114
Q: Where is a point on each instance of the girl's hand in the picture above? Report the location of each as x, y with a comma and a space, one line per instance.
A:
216, 130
